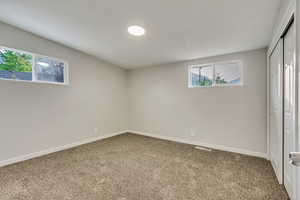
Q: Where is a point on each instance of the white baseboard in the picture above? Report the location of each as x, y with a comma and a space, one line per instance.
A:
94, 139
213, 146
56, 149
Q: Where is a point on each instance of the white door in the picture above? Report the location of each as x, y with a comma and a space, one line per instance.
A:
289, 109
276, 110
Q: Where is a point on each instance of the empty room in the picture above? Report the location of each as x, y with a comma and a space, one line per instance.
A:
149, 100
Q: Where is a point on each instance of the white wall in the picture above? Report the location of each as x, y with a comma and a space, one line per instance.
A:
283, 16
35, 117
162, 104
284, 4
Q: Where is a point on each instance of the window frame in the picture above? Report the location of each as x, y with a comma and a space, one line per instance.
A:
213, 64
34, 55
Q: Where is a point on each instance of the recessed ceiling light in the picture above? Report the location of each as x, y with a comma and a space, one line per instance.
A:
136, 30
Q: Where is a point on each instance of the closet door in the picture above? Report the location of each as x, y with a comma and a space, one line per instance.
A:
276, 110
289, 108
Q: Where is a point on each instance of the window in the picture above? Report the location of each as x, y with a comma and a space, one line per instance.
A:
216, 74
15, 65
202, 75
49, 70
24, 66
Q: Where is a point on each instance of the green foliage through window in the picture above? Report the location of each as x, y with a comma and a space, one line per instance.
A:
220, 79
202, 76
15, 61
205, 82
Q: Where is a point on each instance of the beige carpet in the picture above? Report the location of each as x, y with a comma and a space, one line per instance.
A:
131, 167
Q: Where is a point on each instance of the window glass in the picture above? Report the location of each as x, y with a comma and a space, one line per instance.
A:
194, 73
216, 74
15, 65
202, 76
228, 73
49, 70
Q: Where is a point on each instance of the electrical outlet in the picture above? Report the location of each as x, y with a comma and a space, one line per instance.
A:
96, 130
192, 133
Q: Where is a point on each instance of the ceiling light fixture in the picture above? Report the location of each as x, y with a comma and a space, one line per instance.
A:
136, 30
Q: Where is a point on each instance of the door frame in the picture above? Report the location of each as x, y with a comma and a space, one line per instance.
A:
290, 16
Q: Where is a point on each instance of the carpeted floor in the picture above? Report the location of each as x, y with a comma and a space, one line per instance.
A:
131, 167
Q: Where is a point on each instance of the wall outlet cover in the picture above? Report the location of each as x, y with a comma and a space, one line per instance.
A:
96, 130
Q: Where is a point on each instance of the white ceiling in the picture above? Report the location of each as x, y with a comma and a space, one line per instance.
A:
176, 29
